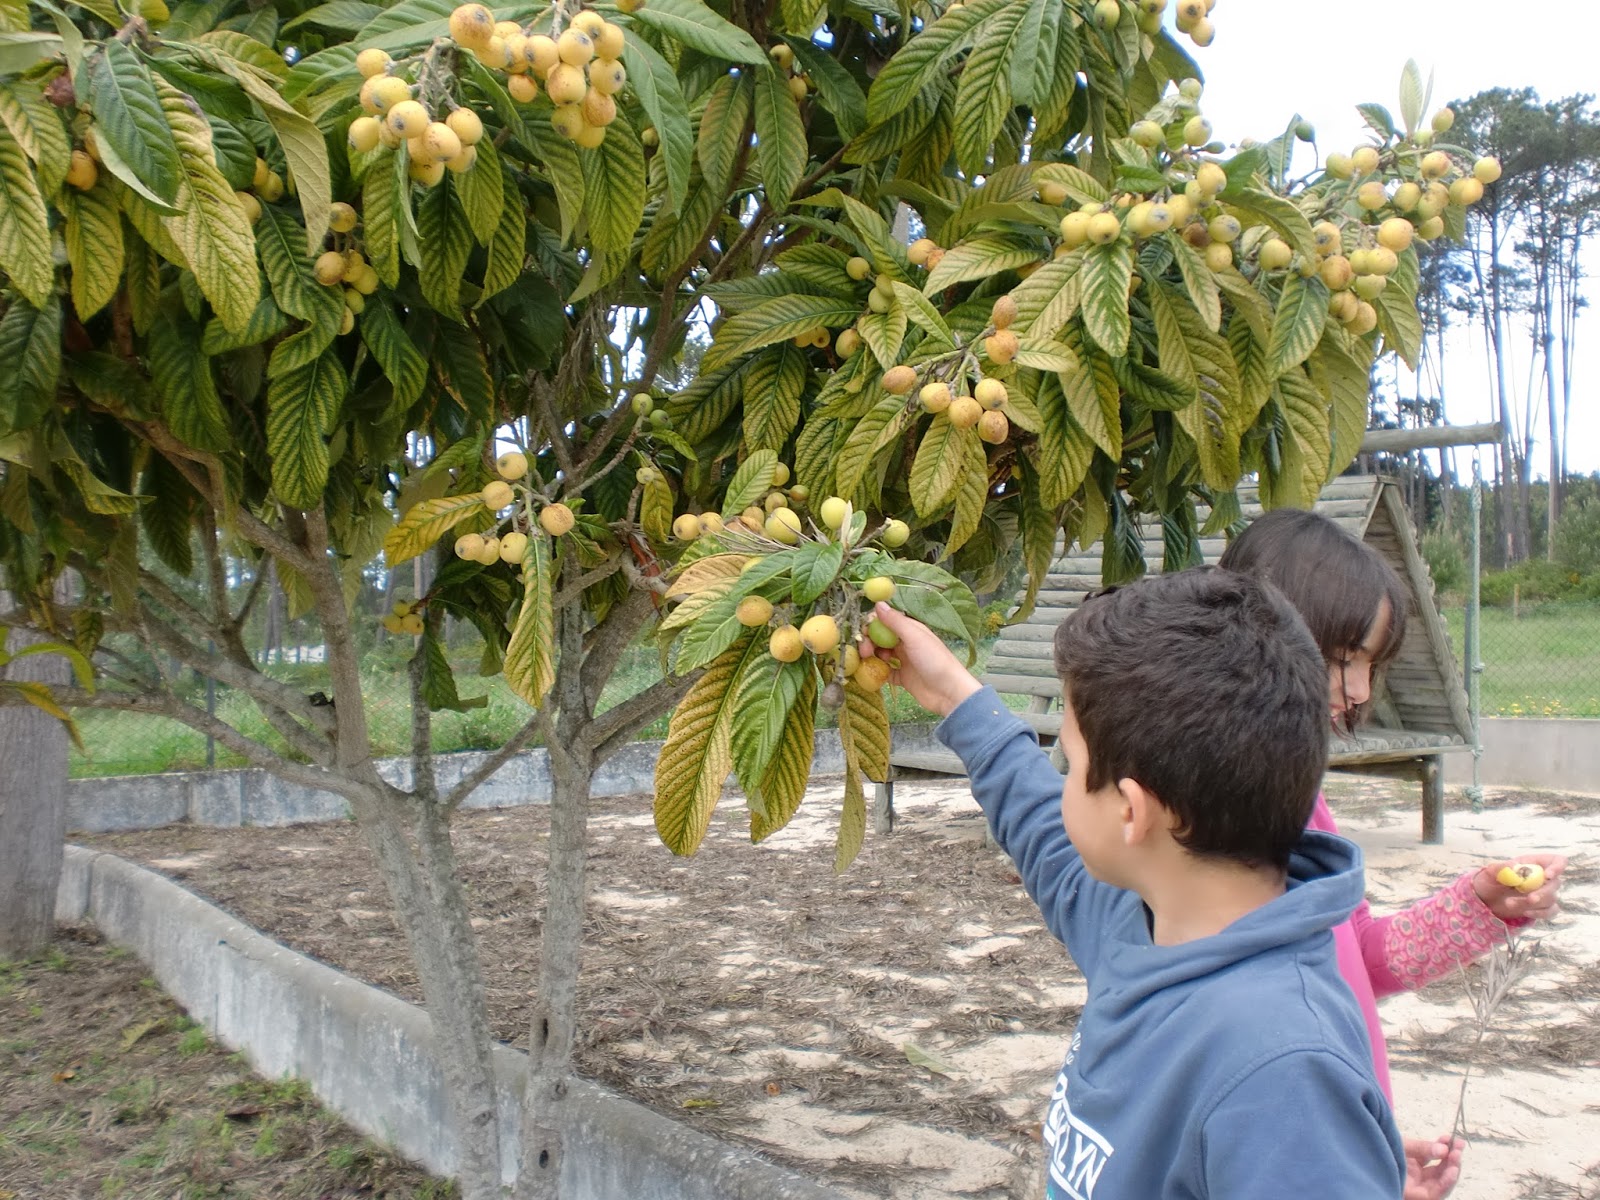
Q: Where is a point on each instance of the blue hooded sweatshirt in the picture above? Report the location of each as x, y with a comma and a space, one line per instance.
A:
1232, 1067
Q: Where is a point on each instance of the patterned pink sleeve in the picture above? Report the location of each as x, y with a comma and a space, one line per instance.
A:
1426, 940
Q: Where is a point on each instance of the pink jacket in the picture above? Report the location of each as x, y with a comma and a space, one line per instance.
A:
1379, 956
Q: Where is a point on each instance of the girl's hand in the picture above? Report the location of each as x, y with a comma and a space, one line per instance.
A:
1433, 1165
1511, 905
934, 676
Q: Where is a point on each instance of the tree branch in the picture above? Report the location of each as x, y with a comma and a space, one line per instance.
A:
620, 626
615, 727
588, 579
478, 775
353, 745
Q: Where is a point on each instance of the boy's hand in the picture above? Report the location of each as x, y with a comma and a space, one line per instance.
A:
934, 676
1508, 903
1432, 1167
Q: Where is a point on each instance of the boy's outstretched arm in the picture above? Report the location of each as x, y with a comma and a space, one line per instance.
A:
1013, 780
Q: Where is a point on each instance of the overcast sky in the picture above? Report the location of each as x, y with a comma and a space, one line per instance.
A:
1272, 58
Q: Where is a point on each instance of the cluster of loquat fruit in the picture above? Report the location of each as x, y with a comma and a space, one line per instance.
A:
347, 267
404, 618
799, 82
1193, 17
511, 545
831, 630
581, 68
394, 115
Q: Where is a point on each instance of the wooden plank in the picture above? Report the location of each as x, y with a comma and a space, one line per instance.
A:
1023, 685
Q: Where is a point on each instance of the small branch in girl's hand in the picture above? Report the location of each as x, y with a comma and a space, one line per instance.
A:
1504, 968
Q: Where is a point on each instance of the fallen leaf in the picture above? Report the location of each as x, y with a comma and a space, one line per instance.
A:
132, 1034
66, 1076
918, 1057
702, 1102
244, 1112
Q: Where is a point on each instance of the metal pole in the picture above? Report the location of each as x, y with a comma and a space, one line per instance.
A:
1472, 650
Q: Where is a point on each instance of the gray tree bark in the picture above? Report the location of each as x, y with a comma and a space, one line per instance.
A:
33, 809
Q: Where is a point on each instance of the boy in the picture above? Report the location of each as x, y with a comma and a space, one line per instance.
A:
1219, 1054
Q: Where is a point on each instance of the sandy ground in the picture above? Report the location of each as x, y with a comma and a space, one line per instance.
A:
895, 1031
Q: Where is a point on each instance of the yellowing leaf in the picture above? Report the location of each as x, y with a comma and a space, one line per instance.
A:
697, 755
94, 247
703, 572
425, 523
530, 658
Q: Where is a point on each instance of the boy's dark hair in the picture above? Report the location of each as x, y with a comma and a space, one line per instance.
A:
1206, 688
1337, 583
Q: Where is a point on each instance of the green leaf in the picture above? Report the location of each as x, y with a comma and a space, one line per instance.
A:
530, 668
837, 89
1339, 369
697, 756
445, 240
922, 313
508, 248
98, 496
881, 426
1049, 298
216, 236
1250, 355
750, 482
1107, 271
655, 510
1215, 420
565, 171
289, 271
972, 493
656, 85
884, 334
463, 371
1045, 354
783, 783
22, 49
1095, 407
722, 128
816, 566
1307, 418
1081, 186
1256, 207
940, 460
983, 95
301, 407
482, 192
168, 517
853, 812
765, 692
1200, 280
1412, 97
36, 125
393, 350
338, 16
30, 347
981, 256
94, 246
925, 57
614, 188
181, 372
1396, 306
777, 320
382, 194
698, 27
1065, 450
24, 225
780, 136
772, 392
1297, 325
128, 117
439, 678
265, 323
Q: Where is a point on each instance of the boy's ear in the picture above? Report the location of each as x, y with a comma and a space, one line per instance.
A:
1142, 815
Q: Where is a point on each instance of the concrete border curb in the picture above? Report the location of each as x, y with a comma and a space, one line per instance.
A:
370, 1056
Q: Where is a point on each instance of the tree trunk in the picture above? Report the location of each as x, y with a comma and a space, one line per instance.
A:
431, 907
553, 1028
33, 809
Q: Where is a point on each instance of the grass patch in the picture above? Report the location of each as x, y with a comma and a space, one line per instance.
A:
1543, 662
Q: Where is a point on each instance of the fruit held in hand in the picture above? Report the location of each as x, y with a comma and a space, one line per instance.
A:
556, 519
1525, 877
872, 674
881, 635
753, 611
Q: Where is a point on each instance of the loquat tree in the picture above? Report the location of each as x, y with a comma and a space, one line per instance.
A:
303, 286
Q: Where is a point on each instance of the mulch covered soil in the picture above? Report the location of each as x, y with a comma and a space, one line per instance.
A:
892, 1031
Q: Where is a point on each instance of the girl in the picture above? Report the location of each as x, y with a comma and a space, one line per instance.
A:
1355, 606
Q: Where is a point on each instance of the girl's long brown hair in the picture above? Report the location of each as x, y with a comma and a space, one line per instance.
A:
1339, 584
